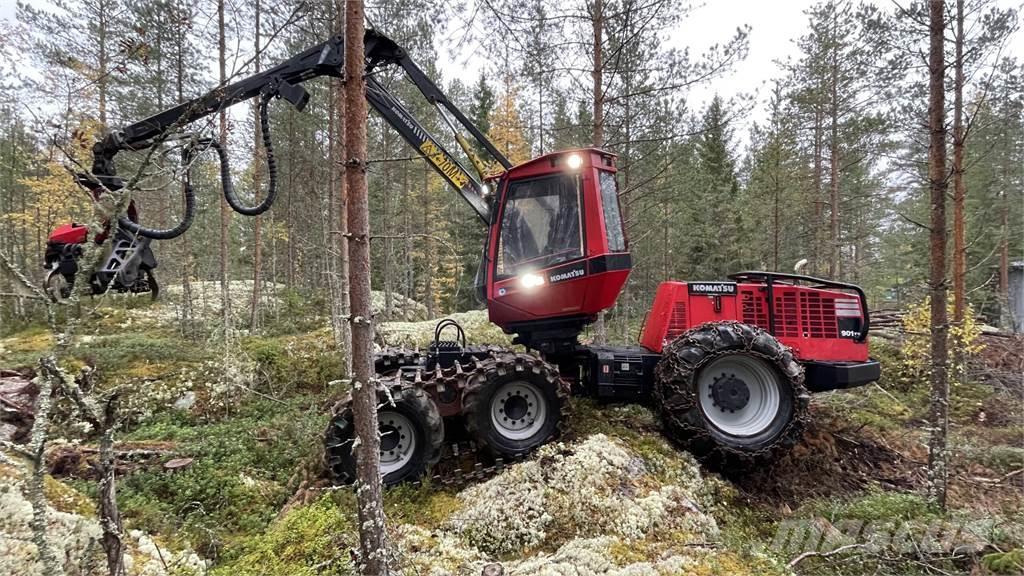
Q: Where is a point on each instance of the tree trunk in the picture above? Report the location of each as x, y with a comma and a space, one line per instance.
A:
776, 222
428, 247
338, 94
1006, 318
373, 545
818, 178
187, 327
835, 254
597, 134
257, 181
959, 191
110, 515
101, 73
225, 214
34, 486
937, 473
386, 224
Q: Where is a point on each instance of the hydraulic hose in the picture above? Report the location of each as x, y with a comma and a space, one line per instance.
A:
226, 183
166, 233
225, 173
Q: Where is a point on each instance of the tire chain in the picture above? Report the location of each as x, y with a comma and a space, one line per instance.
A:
676, 399
465, 462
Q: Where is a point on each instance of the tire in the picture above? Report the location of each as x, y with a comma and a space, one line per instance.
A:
57, 286
411, 436
514, 403
731, 393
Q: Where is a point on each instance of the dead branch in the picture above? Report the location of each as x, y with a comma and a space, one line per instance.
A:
815, 554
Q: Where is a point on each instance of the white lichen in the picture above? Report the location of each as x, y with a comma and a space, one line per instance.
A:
593, 488
76, 540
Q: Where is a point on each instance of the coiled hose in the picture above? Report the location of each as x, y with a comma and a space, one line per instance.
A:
225, 174
225, 180
166, 233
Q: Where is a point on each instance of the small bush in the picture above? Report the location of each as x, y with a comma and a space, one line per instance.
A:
306, 362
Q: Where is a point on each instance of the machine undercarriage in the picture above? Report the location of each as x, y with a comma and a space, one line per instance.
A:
730, 392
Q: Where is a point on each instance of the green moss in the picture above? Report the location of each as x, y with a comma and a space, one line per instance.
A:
1001, 459
307, 362
729, 563
876, 505
1011, 562
426, 506
24, 348
239, 477
67, 499
310, 540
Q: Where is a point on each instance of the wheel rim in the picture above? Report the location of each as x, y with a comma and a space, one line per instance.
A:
739, 394
518, 409
56, 285
397, 440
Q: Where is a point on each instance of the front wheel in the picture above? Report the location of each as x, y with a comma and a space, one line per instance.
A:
730, 391
56, 285
411, 433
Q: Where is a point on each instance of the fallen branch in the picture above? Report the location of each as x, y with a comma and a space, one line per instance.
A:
815, 554
994, 481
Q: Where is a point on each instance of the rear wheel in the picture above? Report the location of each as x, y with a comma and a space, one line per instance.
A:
411, 433
514, 404
730, 391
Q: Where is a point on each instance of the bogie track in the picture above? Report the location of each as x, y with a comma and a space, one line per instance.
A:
464, 427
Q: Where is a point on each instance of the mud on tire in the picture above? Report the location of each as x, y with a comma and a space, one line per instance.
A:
678, 377
412, 433
514, 403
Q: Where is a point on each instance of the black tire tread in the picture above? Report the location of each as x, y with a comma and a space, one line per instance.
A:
489, 371
675, 390
338, 457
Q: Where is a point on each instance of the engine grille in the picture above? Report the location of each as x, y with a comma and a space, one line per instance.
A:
677, 322
818, 315
786, 320
752, 309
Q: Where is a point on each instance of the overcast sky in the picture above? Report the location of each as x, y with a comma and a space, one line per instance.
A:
775, 25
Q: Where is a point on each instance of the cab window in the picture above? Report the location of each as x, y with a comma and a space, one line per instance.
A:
540, 225
612, 215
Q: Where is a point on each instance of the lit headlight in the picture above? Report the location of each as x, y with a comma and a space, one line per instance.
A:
574, 161
531, 280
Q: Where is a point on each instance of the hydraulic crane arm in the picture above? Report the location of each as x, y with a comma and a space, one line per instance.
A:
284, 81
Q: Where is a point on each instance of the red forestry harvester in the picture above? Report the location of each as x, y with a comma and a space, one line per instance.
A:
728, 365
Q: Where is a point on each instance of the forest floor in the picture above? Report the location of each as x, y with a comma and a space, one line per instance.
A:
611, 497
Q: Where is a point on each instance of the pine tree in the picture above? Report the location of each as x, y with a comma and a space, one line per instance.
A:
507, 131
939, 412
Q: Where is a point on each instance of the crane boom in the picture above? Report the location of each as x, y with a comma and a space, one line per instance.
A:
284, 81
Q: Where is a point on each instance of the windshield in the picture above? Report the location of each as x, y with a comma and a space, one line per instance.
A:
540, 226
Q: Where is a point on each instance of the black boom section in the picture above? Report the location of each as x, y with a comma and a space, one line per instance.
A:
417, 136
283, 81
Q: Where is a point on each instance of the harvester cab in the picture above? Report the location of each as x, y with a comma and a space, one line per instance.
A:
556, 253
